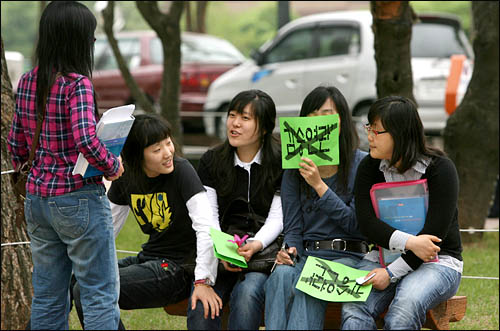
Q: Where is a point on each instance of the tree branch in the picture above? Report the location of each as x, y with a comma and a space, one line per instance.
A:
135, 90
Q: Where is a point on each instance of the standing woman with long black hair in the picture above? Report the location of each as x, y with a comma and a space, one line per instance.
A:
68, 217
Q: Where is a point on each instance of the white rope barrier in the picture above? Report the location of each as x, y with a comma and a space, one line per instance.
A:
132, 252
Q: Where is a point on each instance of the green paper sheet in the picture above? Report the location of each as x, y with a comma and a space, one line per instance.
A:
226, 250
332, 281
315, 137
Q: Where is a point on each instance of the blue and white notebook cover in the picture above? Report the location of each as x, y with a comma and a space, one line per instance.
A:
112, 129
404, 214
402, 205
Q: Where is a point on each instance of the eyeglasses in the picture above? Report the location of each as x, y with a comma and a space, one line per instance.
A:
369, 130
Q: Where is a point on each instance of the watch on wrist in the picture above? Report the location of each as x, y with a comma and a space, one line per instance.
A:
392, 278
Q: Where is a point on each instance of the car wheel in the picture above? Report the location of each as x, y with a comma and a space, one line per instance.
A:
360, 119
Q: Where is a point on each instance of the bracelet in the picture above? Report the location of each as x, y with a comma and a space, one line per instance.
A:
203, 282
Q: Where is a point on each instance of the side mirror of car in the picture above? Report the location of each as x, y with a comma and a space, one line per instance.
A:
257, 56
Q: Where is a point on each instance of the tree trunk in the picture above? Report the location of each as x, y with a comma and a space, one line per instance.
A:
189, 20
167, 27
471, 133
135, 90
392, 24
16, 260
283, 13
201, 13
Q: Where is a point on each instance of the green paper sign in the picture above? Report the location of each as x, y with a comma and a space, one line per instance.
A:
315, 137
332, 281
226, 250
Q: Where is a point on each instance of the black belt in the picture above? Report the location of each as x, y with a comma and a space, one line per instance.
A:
337, 244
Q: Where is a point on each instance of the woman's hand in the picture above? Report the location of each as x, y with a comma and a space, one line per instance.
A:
381, 280
310, 173
229, 268
250, 249
119, 173
423, 246
284, 258
211, 301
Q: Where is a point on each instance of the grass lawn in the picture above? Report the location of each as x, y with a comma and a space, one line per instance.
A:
480, 259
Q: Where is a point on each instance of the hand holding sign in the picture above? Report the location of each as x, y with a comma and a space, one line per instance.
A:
225, 250
310, 172
315, 137
332, 281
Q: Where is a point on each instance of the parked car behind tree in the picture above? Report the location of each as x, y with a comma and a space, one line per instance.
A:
203, 58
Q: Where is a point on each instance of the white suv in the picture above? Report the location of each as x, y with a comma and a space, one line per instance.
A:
337, 48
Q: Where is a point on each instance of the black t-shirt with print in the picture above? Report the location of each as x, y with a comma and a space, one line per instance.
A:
160, 209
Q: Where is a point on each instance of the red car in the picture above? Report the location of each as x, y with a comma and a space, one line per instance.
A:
203, 59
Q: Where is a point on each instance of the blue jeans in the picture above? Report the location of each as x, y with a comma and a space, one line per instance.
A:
292, 309
247, 302
69, 232
408, 300
246, 292
144, 283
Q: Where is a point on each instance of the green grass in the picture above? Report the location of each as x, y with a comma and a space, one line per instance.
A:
480, 259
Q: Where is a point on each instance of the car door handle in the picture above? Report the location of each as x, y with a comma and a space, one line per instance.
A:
342, 78
291, 83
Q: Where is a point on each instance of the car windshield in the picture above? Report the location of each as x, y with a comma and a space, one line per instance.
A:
104, 58
201, 49
435, 40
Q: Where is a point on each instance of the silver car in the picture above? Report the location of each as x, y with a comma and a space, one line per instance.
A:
337, 48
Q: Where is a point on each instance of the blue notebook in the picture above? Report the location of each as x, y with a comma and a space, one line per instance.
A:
403, 206
112, 129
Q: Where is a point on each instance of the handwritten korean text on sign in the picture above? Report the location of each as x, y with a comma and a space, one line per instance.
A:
332, 281
314, 137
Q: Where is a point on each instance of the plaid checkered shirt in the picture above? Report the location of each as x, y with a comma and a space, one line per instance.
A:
68, 128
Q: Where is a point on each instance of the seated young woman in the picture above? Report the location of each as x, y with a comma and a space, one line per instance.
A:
246, 166
170, 204
319, 219
416, 281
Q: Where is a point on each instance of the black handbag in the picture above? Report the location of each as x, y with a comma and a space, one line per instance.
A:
239, 218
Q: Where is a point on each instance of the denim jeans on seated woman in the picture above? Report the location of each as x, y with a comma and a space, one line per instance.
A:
146, 282
290, 309
69, 232
246, 294
408, 300
247, 302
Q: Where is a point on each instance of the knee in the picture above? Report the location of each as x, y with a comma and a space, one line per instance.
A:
353, 315
409, 313
282, 275
248, 291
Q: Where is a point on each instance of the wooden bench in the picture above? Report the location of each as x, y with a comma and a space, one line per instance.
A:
452, 310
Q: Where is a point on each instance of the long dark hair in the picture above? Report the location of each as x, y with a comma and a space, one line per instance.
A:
148, 129
400, 118
348, 139
65, 45
264, 111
